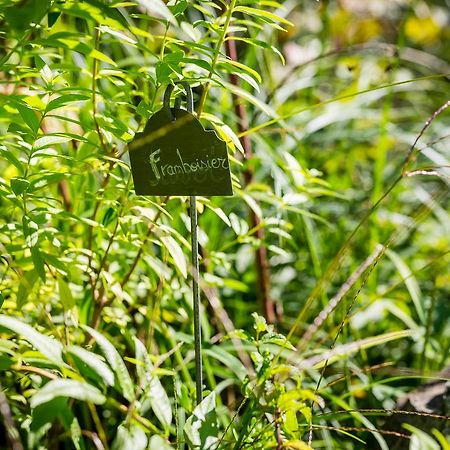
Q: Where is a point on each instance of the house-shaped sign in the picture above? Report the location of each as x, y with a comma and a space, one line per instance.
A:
175, 155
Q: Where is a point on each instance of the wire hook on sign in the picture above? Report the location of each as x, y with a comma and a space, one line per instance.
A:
175, 155
168, 94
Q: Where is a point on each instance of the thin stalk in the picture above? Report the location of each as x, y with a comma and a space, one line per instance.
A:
423, 356
220, 42
98, 425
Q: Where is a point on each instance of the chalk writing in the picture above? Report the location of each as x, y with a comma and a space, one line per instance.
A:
199, 165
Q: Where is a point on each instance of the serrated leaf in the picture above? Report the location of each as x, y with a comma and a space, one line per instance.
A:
115, 361
78, 390
49, 347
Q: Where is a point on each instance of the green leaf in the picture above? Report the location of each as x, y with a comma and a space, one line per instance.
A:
420, 440
49, 140
25, 286
93, 362
20, 18
241, 68
410, 281
76, 434
153, 390
9, 155
38, 262
65, 294
176, 253
158, 443
260, 323
259, 43
115, 361
239, 92
28, 115
157, 8
159, 401
78, 390
201, 428
64, 100
96, 54
178, 8
19, 185
262, 13
49, 347
130, 437
6, 362
2, 299
95, 10
48, 412
445, 442
228, 360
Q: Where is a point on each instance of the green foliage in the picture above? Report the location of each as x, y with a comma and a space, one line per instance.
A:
96, 345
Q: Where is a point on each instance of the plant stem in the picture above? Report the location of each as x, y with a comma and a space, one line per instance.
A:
262, 263
220, 42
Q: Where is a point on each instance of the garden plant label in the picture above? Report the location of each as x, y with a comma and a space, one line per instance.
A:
175, 155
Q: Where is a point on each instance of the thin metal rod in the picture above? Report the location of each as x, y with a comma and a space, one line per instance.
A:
196, 300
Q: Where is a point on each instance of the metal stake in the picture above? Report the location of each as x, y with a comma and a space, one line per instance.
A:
196, 300
194, 243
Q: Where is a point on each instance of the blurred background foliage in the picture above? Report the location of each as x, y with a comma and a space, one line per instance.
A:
336, 209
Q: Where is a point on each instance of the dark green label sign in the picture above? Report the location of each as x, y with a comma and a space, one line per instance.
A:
177, 156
